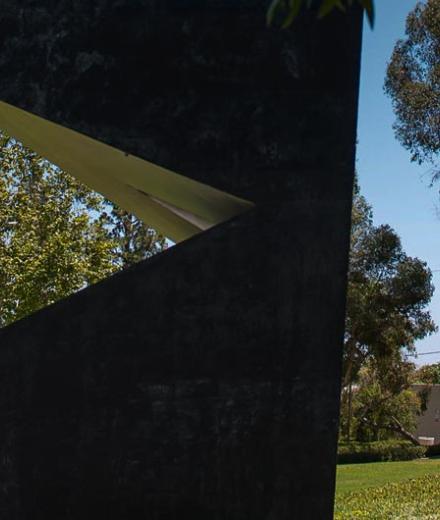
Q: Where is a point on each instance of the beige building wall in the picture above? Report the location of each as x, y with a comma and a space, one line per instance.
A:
429, 422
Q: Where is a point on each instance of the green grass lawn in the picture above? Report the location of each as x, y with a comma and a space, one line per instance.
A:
355, 477
413, 499
389, 490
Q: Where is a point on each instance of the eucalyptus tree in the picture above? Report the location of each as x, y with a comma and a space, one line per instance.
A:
387, 298
413, 83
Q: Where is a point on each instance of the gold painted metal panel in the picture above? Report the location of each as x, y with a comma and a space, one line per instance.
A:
174, 205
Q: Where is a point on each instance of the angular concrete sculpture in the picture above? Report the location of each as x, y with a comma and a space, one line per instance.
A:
202, 383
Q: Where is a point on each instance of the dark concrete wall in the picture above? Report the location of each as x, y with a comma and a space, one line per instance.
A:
203, 383
201, 87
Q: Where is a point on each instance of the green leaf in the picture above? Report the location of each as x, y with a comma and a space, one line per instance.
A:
368, 5
294, 9
327, 6
271, 12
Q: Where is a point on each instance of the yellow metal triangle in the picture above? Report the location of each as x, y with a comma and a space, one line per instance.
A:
174, 205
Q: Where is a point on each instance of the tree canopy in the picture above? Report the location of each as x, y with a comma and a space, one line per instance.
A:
413, 83
56, 236
428, 374
387, 295
383, 405
388, 292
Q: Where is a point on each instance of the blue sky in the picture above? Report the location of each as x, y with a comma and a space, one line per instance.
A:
397, 189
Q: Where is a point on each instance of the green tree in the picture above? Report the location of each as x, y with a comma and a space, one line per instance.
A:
133, 239
383, 405
413, 83
56, 236
387, 295
428, 374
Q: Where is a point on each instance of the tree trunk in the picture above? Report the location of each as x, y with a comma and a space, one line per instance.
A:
348, 381
394, 426
350, 410
397, 427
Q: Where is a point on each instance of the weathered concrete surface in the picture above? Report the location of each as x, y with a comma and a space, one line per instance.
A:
201, 87
203, 383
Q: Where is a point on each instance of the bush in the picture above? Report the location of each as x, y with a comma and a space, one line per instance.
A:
433, 451
379, 451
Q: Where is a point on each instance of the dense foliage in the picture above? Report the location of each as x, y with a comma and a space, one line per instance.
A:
56, 236
383, 406
133, 240
428, 374
413, 82
388, 292
379, 451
